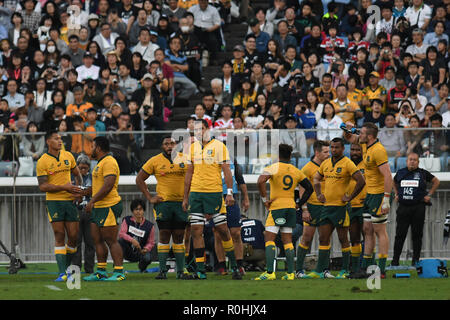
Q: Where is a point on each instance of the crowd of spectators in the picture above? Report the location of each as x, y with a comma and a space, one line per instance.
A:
111, 66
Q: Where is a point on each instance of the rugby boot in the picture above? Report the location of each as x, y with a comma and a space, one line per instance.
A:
96, 276
288, 276
266, 276
117, 276
312, 275
62, 277
342, 275
236, 275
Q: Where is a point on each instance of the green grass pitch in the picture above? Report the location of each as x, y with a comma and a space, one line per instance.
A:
34, 286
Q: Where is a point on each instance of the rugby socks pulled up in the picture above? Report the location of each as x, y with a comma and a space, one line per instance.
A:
356, 255
163, 254
270, 255
101, 266
178, 251
60, 254
324, 258
70, 252
289, 251
346, 258
228, 247
118, 269
382, 262
200, 259
301, 254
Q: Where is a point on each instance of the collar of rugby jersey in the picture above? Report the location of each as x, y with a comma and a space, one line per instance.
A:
373, 144
339, 159
57, 158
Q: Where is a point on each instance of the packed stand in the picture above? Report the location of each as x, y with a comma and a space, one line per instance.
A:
118, 66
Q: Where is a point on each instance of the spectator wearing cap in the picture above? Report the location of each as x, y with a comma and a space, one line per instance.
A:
111, 119
87, 70
294, 138
207, 26
164, 28
127, 84
30, 17
74, 52
105, 39
243, 97
418, 14
262, 37
145, 47
150, 105
418, 49
141, 22
174, 12
389, 78
283, 37
373, 91
276, 110
93, 25
240, 66
79, 107
184, 87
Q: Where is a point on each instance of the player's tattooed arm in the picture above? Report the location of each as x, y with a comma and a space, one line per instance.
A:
44, 186
317, 188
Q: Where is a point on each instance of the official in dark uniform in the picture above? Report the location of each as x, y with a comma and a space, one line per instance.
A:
252, 233
410, 185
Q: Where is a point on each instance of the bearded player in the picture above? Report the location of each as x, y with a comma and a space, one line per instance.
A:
379, 187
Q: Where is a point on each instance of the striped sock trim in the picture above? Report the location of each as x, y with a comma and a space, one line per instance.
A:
118, 267
70, 249
289, 246
60, 250
356, 251
101, 265
302, 246
270, 243
178, 248
346, 249
367, 257
381, 256
228, 245
163, 248
325, 247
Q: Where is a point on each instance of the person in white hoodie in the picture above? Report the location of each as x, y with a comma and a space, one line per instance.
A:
328, 124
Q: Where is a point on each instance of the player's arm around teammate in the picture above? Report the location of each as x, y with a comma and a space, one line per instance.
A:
53, 174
